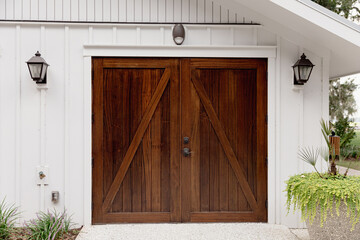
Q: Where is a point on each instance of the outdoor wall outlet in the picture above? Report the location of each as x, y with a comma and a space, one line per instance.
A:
55, 196
42, 175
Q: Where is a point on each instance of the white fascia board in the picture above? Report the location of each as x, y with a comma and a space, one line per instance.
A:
317, 16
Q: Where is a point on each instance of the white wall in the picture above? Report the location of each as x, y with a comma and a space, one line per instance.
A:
296, 114
119, 11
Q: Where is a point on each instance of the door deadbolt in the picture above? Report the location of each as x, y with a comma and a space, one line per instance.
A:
186, 140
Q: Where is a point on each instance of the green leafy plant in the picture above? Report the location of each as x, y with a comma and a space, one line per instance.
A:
312, 191
50, 225
308, 192
8, 216
345, 131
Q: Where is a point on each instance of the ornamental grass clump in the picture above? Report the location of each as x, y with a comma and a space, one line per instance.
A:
309, 192
8, 216
50, 225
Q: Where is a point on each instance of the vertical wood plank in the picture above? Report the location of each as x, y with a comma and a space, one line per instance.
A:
130, 14
9, 4
3, 9
146, 10
114, 10
66, 10
169, 10
185, 131
156, 152
161, 10
34, 9
146, 96
138, 10
97, 142
128, 134
213, 83
216, 13
233, 182
205, 126
106, 13
195, 156
185, 11
224, 15
201, 11
91, 10
108, 119
208, 11
153, 10
224, 164
82, 10
50, 11
165, 151
177, 11
98, 10
232, 17
42, 10
136, 117
261, 138
17, 9
193, 11
175, 200
26, 10
122, 10
58, 10
74, 7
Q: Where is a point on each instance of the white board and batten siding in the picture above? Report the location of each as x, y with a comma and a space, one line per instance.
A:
196, 11
68, 47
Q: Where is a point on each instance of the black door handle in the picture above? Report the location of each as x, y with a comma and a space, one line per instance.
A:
186, 152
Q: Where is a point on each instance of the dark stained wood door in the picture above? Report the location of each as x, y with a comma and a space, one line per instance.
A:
136, 140
224, 109
143, 109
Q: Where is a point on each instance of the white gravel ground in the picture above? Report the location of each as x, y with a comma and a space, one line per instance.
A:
189, 231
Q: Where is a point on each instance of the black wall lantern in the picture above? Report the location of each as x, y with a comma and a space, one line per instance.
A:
178, 34
302, 70
38, 68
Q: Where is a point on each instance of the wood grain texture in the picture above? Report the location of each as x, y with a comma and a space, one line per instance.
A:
136, 140
146, 111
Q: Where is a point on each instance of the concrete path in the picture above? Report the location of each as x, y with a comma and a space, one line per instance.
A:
352, 172
192, 231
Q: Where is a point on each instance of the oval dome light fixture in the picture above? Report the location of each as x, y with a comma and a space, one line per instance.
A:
178, 34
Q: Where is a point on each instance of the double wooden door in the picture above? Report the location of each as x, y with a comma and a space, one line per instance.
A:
179, 140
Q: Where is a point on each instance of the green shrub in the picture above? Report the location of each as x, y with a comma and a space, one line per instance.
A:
8, 216
344, 130
309, 191
50, 225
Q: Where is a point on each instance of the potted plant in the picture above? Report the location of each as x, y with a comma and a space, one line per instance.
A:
329, 202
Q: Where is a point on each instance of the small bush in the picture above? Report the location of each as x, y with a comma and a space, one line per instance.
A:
50, 225
8, 216
344, 130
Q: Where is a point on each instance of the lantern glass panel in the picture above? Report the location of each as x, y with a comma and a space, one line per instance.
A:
43, 73
305, 72
35, 70
296, 71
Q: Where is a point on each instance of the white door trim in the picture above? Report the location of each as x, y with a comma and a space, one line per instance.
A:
110, 50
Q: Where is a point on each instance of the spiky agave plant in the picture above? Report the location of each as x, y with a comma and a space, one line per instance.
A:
8, 216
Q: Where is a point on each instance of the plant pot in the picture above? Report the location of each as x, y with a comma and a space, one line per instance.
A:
335, 227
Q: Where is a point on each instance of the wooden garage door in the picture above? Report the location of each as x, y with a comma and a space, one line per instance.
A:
179, 140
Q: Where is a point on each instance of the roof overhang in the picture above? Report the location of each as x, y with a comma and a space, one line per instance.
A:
313, 25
